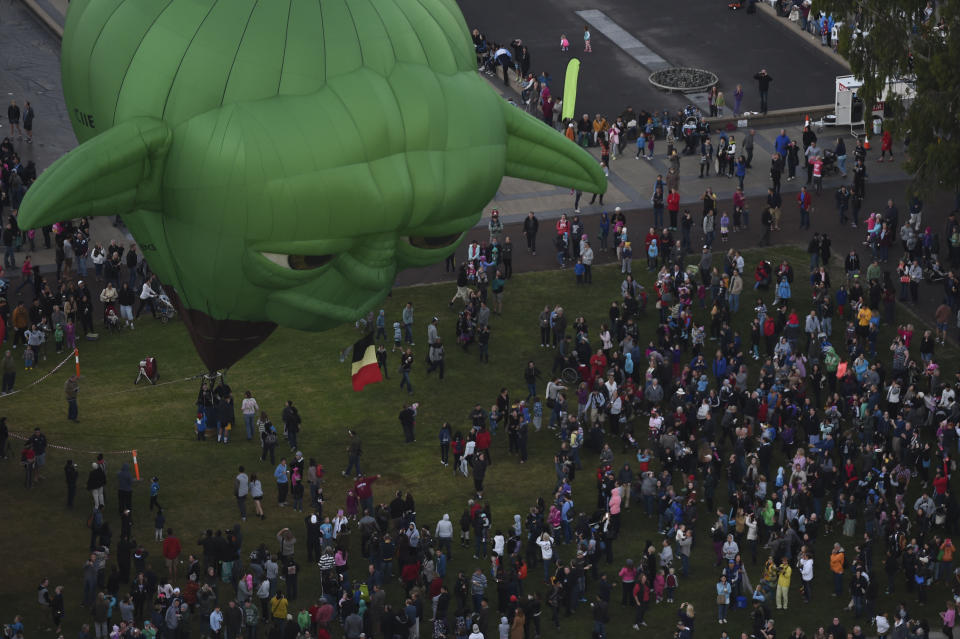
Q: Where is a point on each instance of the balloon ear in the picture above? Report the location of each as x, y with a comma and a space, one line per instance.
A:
117, 172
537, 152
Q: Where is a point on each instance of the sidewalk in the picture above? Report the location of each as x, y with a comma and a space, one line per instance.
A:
631, 181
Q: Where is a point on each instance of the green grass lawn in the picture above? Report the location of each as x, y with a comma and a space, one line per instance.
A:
42, 538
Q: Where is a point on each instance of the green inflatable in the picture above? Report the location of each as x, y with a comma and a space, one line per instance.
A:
278, 161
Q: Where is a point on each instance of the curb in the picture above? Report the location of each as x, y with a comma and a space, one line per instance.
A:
793, 116
811, 40
45, 18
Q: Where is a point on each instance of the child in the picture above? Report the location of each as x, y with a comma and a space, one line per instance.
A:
28, 358
828, 516
396, 336
659, 584
69, 335
158, 523
200, 427
564, 43
579, 270
724, 227
641, 143
326, 529
586, 40
906, 334
755, 338
154, 492
58, 337
537, 414
672, 583
494, 417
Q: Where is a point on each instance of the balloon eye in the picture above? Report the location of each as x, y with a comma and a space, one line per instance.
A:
307, 262
428, 243
298, 262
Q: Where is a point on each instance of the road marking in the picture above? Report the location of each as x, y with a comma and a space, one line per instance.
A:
620, 37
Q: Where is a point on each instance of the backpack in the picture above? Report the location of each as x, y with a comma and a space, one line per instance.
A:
271, 438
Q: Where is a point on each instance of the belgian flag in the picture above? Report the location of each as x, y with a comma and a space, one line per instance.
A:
365, 369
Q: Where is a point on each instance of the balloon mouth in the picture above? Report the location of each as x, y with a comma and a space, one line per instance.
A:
318, 314
428, 242
298, 262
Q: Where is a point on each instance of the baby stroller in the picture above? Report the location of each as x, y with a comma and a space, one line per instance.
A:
165, 308
829, 166
110, 318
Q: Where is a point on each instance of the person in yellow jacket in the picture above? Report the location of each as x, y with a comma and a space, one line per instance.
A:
836, 567
278, 607
783, 583
21, 322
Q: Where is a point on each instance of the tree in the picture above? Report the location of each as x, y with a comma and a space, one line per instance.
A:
884, 39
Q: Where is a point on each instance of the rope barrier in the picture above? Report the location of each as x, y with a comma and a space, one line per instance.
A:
40, 379
23, 437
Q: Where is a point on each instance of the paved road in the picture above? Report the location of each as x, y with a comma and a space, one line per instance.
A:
696, 33
30, 70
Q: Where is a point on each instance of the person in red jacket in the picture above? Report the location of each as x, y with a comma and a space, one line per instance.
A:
673, 207
886, 146
363, 489
483, 440
940, 483
769, 334
171, 552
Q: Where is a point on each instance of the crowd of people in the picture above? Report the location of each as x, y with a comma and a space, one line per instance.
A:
830, 454
826, 435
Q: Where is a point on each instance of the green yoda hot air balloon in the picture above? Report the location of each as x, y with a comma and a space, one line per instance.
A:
278, 161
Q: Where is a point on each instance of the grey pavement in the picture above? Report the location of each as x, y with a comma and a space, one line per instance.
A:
630, 185
695, 33
30, 70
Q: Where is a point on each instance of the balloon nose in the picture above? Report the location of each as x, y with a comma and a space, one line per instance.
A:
371, 265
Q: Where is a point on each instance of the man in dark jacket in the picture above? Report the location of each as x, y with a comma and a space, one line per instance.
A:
96, 480
291, 421
763, 83
124, 489
407, 418
530, 227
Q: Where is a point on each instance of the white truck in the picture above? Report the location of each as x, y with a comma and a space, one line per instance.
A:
849, 109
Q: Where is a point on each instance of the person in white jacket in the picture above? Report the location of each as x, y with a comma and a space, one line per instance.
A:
806, 575
147, 295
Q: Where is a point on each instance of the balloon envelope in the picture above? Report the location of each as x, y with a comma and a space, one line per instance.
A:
278, 162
